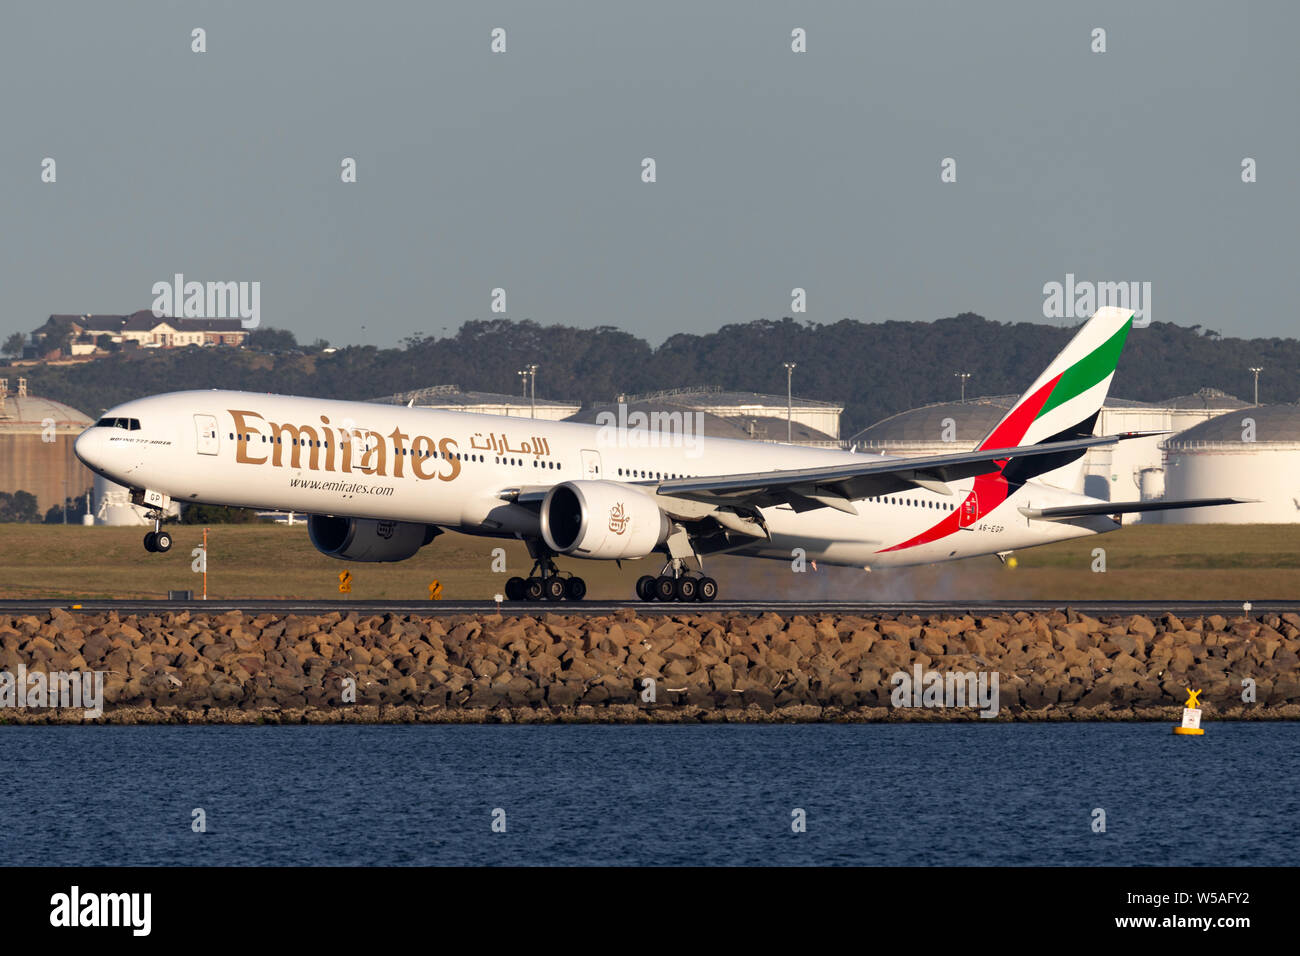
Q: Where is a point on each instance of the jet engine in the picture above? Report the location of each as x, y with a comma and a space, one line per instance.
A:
602, 519
368, 539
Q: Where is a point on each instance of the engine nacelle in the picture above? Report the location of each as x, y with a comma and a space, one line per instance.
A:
603, 520
367, 539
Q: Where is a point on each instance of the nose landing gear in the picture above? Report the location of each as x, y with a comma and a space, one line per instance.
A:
157, 540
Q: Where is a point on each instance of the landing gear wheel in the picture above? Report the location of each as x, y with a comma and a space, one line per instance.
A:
554, 589
162, 541
645, 587
575, 589
706, 589
534, 589
666, 588
687, 589
515, 589
149, 543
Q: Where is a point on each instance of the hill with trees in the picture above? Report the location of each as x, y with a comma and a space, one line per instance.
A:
873, 369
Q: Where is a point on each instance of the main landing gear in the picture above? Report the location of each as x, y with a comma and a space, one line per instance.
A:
157, 540
675, 583
545, 582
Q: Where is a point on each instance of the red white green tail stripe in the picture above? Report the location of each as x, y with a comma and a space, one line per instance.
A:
1071, 390
1063, 402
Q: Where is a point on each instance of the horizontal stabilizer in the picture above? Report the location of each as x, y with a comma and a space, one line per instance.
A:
1127, 507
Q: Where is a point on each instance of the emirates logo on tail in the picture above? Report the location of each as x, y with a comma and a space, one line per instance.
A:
618, 519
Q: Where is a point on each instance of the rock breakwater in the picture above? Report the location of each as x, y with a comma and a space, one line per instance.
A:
182, 667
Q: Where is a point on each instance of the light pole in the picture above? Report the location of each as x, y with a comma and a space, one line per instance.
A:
789, 402
532, 389
523, 382
1257, 369
963, 376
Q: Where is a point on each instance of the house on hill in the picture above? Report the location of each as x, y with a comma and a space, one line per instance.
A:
88, 335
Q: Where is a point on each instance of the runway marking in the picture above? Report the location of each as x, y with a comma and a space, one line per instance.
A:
588, 608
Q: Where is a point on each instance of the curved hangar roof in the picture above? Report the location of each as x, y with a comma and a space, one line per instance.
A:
974, 419
705, 397
28, 411
1205, 398
773, 428
670, 415
1273, 423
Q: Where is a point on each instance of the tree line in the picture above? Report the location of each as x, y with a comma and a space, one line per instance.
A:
873, 369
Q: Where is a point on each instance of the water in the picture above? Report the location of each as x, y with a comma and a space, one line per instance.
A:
579, 794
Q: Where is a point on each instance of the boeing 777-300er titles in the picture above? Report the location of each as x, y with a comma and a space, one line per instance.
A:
380, 481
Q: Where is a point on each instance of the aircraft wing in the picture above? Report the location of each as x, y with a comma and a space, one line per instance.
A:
838, 486
1126, 507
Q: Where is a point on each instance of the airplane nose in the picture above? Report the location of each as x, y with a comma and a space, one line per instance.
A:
88, 445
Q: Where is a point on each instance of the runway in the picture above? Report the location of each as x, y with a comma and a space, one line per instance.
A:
594, 608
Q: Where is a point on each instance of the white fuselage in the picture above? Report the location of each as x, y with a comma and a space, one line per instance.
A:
368, 460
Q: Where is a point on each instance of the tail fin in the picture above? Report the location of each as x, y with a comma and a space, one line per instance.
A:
1065, 400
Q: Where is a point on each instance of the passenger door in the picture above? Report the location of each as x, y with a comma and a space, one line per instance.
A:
590, 464
208, 441
968, 511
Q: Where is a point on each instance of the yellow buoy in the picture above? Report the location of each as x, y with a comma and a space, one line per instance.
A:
1191, 725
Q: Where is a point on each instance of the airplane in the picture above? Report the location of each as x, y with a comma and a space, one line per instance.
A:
379, 482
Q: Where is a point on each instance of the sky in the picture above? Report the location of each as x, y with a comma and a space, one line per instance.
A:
774, 170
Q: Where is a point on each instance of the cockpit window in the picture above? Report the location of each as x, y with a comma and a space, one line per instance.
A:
130, 424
